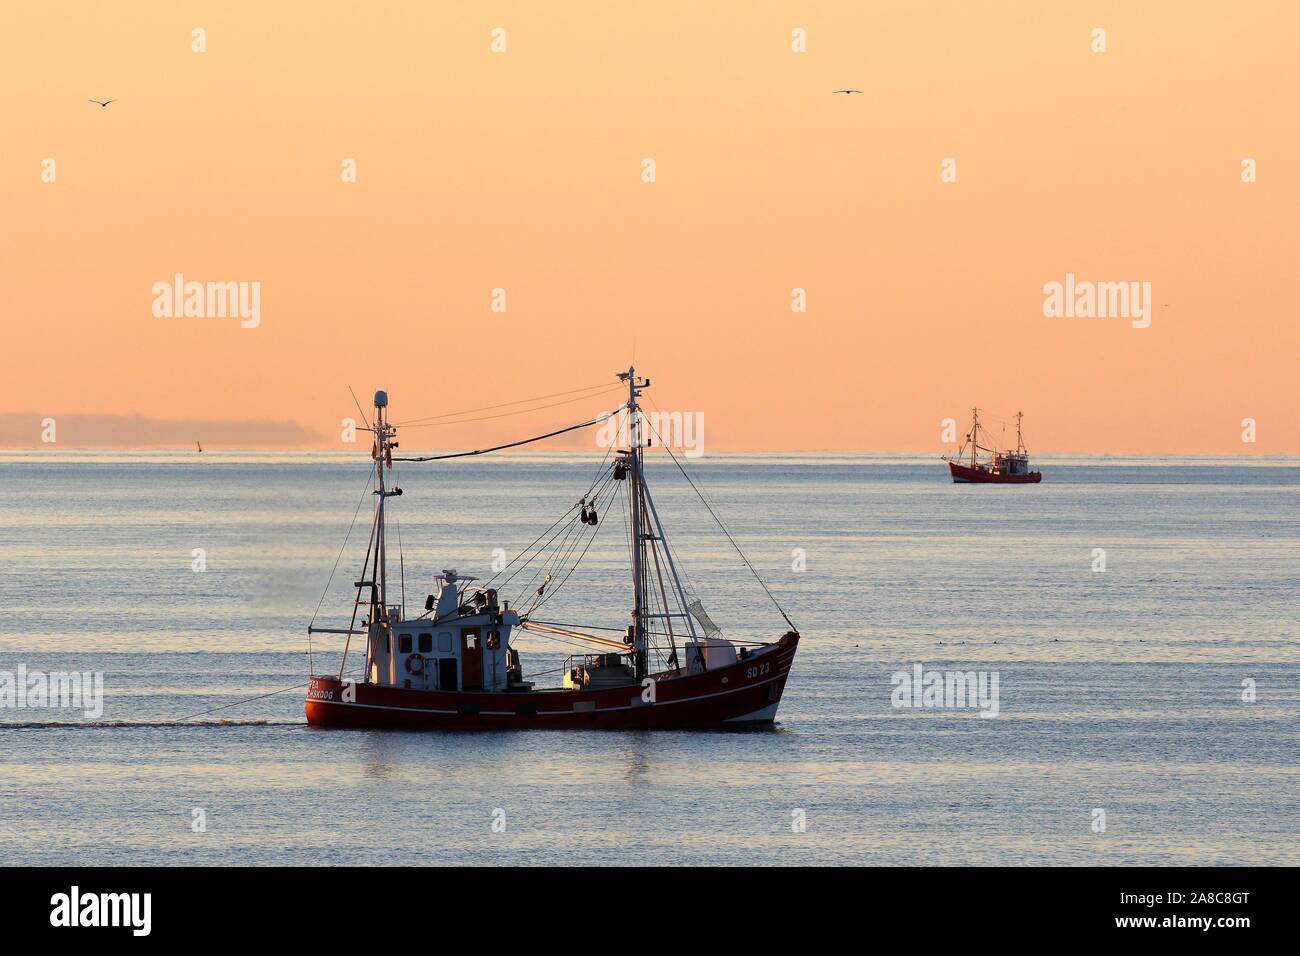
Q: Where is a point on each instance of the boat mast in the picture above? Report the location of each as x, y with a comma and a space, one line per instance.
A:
638, 522
1020, 442
384, 444
974, 435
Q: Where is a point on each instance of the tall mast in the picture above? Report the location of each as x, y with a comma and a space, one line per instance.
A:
638, 522
381, 565
384, 434
974, 435
1020, 442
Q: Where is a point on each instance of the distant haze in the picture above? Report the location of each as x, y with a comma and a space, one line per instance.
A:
24, 430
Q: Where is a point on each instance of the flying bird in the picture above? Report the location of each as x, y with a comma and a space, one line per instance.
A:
103, 102
846, 92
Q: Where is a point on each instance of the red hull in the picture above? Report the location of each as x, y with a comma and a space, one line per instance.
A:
745, 693
977, 476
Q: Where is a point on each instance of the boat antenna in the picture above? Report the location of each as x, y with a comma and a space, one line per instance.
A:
360, 411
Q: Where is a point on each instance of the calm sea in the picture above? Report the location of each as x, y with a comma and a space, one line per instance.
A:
1125, 690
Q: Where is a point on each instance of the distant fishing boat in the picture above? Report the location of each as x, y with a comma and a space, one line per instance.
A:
999, 467
453, 666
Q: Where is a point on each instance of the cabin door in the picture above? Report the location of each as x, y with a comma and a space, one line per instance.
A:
471, 659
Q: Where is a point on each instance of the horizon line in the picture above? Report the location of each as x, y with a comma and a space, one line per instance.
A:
56, 448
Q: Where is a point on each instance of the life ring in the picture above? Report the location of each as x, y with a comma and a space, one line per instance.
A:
415, 665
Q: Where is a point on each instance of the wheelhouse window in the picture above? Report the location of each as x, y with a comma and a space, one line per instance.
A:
426, 643
404, 643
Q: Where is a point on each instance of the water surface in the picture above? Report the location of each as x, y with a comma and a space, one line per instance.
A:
1119, 689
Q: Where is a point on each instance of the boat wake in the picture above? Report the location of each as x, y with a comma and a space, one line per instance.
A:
113, 724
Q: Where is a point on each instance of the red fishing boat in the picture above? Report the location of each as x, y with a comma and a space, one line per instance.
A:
453, 666
1000, 468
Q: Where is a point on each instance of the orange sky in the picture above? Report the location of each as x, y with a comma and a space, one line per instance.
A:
522, 170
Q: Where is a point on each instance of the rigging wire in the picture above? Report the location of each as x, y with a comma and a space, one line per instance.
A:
603, 386
589, 627
600, 493
401, 560
534, 542
514, 444
723, 529
546, 597
623, 630
554, 670
577, 528
525, 551
545, 570
522, 411
600, 471
246, 700
562, 640
595, 491
334, 569
567, 531
603, 417
682, 570
554, 531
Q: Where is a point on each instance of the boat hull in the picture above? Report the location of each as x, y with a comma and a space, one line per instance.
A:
746, 693
964, 474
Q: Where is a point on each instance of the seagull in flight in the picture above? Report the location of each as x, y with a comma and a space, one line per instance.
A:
846, 92
103, 102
